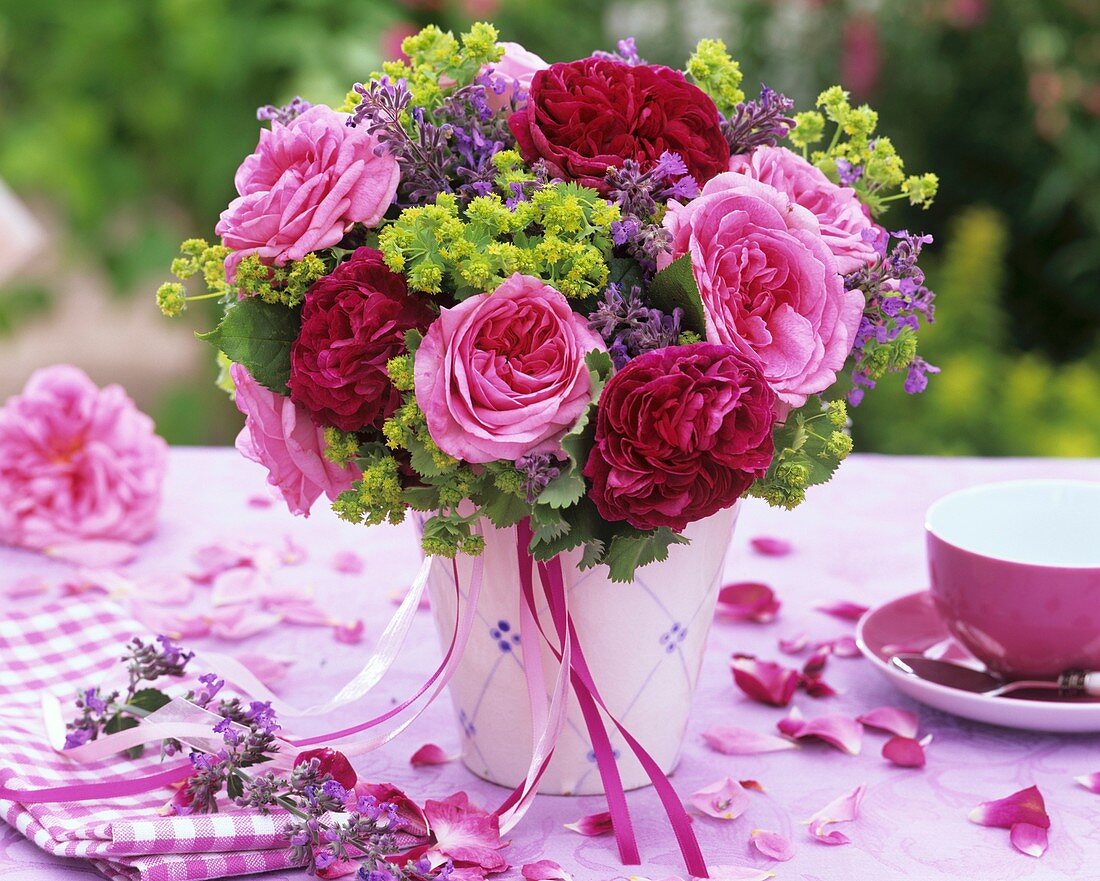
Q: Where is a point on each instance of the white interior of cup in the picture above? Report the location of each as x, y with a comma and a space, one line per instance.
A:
1040, 522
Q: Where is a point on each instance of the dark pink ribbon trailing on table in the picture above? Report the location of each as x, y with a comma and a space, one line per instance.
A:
574, 670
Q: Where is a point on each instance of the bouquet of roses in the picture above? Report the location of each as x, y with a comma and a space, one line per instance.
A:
604, 295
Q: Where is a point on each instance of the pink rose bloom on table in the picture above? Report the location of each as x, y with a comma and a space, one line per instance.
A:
841, 216
353, 322
280, 435
502, 375
306, 182
77, 463
769, 283
514, 71
682, 432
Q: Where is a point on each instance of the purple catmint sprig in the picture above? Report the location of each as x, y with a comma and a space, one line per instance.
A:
630, 327
764, 121
285, 114
538, 470
641, 196
626, 53
897, 301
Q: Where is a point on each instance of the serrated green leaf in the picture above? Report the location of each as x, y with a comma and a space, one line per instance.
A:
259, 336
119, 722
674, 287
629, 552
547, 524
234, 788
505, 509
423, 462
565, 490
593, 554
582, 521
422, 498
625, 272
413, 339
149, 699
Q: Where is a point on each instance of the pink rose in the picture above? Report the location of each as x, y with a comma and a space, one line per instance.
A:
77, 463
502, 375
840, 214
769, 283
306, 182
516, 68
279, 435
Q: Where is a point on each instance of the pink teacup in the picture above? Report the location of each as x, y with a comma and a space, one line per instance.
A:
1015, 573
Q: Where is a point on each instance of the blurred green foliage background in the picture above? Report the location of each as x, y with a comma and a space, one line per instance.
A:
122, 121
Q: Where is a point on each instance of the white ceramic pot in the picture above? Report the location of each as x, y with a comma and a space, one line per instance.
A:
644, 644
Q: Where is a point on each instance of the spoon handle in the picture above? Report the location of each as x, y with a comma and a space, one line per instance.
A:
1080, 682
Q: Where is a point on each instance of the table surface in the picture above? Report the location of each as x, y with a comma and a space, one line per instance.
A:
858, 538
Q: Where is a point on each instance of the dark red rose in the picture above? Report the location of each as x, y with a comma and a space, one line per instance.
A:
584, 116
353, 322
681, 434
333, 762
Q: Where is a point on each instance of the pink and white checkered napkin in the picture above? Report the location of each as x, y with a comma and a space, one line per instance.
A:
58, 650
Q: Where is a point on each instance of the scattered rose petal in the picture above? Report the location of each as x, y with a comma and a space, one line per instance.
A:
291, 553
842, 647
242, 584
307, 614
260, 501
732, 741
172, 624
429, 754
816, 687
168, 590
27, 586
906, 752
464, 833
95, 554
772, 844
836, 729
752, 784
593, 824
1025, 806
347, 562
240, 622
724, 799
764, 681
99, 581
349, 634
214, 559
545, 870
903, 723
846, 611
269, 669
1029, 839
769, 546
1091, 782
795, 644
815, 665
281, 594
414, 821
340, 868
747, 601
843, 809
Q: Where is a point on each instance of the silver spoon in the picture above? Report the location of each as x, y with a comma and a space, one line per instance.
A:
1070, 683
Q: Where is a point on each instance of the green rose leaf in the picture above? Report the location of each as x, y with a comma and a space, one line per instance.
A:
149, 699
259, 336
674, 287
631, 550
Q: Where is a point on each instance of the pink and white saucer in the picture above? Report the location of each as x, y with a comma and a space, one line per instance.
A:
912, 624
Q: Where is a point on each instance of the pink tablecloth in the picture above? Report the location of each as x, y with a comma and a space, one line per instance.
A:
857, 538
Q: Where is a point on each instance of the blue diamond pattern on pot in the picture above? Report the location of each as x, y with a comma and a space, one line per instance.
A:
504, 636
672, 637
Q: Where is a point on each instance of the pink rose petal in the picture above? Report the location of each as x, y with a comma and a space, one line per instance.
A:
239, 622
213, 559
544, 870
764, 681
291, 553
429, 754
1025, 806
772, 844
906, 752
846, 611
732, 741
836, 729
347, 562
306, 614
769, 546
172, 624
280, 594
1029, 839
269, 669
843, 647
1091, 782
843, 809
27, 586
95, 554
99, 581
747, 601
816, 687
752, 784
349, 634
724, 799
240, 585
168, 590
815, 665
260, 501
903, 723
592, 825
794, 644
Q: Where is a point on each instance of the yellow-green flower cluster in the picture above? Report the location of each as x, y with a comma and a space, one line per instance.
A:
854, 145
197, 258
561, 235
278, 284
438, 63
341, 447
712, 70
377, 497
